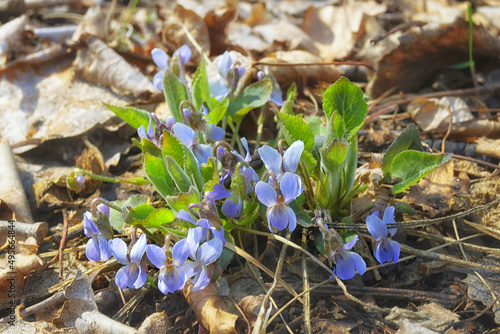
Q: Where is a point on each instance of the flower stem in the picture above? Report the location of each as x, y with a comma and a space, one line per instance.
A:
132, 180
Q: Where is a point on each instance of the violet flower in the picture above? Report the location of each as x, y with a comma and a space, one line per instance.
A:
97, 247
203, 226
174, 270
279, 165
134, 272
279, 214
219, 83
203, 256
276, 94
202, 152
384, 248
150, 134
347, 262
161, 59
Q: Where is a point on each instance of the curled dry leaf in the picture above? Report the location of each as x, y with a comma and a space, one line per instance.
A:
11, 188
423, 51
99, 64
433, 115
250, 305
489, 147
333, 28
91, 160
310, 75
436, 192
12, 273
210, 309
172, 32
485, 191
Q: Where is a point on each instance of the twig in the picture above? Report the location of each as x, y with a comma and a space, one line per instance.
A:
453, 324
63, 242
322, 63
480, 162
265, 309
55, 299
307, 296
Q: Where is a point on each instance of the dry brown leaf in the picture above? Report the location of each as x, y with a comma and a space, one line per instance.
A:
489, 147
91, 160
250, 305
99, 64
217, 22
181, 16
334, 28
210, 309
485, 191
156, 323
436, 192
423, 51
258, 15
11, 189
241, 35
310, 75
482, 292
12, 272
434, 114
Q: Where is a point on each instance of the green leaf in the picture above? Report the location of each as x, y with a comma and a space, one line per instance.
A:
291, 92
218, 112
148, 147
333, 156
157, 173
191, 167
175, 93
295, 128
351, 165
178, 175
139, 213
347, 99
156, 218
115, 217
172, 147
253, 96
182, 200
407, 140
316, 125
133, 116
201, 90
411, 166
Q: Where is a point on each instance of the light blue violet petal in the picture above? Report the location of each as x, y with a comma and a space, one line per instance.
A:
389, 219
214, 132
180, 252
118, 249
141, 277
271, 159
290, 186
160, 58
89, 227
158, 80
209, 251
292, 219
185, 134
138, 249
349, 244
184, 215
105, 254
292, 155
202, 152
376, 227
121, 277
278, 217
266, 194
225, 64
92, 250
184, 53
156, 255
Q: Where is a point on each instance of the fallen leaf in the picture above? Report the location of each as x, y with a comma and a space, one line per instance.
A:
423, 51
489, 147
99, 64
436, 192
156, 323
11, 189
309, 75
333, 28
480, 292
210, 309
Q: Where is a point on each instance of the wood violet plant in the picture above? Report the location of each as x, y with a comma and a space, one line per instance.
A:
211, 186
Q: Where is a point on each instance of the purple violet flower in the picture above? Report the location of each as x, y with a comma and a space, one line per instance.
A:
150, 134
161, 59
174, 270
97, 247
80, 181
347, 262
218, 83
279, 214
280, 165
276, 95
384, 248
202, 152
203, 256
203, 226
134, 272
